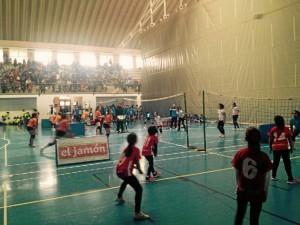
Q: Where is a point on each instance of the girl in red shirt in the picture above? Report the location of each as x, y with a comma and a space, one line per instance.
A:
31, 127
252, 168
280, 137
149, 147
129, 160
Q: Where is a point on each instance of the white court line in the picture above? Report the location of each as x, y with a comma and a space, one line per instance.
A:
111, 167
4, 184
5, 150
108, 162
4, 203
115, 187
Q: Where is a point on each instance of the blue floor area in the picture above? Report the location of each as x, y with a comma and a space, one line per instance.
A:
196, 187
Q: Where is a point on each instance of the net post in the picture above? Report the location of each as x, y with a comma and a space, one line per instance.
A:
204, 119
186, 127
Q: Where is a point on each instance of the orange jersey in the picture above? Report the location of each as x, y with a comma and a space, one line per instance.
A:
52, 118
63, 125
98, 115
108, 119
32, 123
85, 114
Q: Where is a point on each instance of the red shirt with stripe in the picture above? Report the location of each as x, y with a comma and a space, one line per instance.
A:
149, 142
280, 138
126, 165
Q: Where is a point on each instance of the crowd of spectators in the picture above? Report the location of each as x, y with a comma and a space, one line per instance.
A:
35, 77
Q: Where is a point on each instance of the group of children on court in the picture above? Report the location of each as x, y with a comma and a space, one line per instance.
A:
252, 165
129, 160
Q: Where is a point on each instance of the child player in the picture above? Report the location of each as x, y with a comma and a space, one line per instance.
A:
252, 168
280, 137
129, 160
150, 149
158, 122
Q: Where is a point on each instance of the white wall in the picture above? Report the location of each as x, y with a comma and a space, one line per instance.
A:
43, 101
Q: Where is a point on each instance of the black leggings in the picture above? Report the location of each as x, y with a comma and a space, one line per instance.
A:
135, 184
181, 120
255, 209
295, 134
235, 119
285, 154
174, 122
32, 135
151, 165
221, 127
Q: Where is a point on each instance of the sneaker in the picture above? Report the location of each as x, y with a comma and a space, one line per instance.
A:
222, 136
234, 129
156, 174
140, 216
274, 178
294, 181
150, 179
119, 200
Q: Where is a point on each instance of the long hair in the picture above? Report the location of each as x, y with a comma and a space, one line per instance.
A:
131, 139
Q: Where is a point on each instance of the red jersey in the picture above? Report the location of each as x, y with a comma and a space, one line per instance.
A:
126, 165
252, 168
150, 141
280, 138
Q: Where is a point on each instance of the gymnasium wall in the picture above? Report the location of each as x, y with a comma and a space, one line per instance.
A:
15, 103
239, 48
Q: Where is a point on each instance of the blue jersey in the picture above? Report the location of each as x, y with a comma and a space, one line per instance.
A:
173, 112
295, 122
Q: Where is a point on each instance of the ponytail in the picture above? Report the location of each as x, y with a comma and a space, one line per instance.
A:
131, 139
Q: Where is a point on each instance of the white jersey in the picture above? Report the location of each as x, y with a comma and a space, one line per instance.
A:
221, 115
235, 111
180, 113
158, 121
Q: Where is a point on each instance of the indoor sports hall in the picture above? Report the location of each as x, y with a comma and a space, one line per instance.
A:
78, 77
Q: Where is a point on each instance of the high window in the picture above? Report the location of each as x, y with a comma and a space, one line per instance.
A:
126, 61
18, 54
64, 58
106, 59
88, 59
43, 56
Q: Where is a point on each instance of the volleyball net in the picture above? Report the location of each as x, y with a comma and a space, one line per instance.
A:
253, 112
202, 111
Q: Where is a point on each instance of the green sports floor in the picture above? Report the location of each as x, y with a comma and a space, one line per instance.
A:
195, 188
